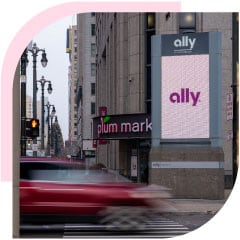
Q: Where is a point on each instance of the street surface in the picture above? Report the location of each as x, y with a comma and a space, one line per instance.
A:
166, 226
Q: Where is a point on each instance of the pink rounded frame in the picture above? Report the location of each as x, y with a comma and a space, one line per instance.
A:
24, 36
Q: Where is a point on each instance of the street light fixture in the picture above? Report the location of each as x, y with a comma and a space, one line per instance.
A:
35, 50
42, 81
49, 118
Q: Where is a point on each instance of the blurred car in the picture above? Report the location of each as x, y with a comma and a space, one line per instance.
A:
65, 191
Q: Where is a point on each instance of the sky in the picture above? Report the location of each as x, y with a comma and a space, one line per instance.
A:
53, 40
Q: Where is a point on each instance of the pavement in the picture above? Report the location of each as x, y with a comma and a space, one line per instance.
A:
199, 206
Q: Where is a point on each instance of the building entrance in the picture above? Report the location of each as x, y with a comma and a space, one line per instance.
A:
137, 158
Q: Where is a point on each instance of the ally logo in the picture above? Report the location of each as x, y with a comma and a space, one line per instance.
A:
185, 96
185, 42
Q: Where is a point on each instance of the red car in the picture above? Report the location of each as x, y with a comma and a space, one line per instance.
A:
65, 191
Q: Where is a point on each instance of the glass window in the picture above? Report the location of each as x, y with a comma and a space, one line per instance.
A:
150, 20
93, 49
93, 88
92, 107
93, 30
187, 22
93, 69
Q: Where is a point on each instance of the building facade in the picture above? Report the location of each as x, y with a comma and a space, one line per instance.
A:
86, 75
124, 91
71, 49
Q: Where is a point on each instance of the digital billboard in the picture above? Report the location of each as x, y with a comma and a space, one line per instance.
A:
186, 78
185, 96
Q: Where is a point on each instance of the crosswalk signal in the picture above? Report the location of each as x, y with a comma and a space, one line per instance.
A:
32, 128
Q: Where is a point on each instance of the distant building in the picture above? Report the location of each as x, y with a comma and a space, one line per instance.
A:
71, 49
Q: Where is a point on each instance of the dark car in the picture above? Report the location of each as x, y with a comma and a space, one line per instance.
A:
66, 191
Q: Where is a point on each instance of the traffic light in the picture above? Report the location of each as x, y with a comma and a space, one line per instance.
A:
32, 128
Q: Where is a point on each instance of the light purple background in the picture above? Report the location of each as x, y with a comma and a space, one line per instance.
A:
183, 120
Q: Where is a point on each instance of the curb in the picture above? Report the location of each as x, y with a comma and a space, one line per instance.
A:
189, 213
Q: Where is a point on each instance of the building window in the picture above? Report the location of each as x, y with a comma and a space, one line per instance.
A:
93, 49
150, 20
93, 30
150, 31
187, 22
92, 88
92, 107
93, 69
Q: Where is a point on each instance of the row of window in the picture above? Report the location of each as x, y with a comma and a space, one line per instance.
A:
92, 109
93, 88
93, 51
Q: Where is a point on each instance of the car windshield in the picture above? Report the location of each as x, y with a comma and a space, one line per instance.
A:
68, 173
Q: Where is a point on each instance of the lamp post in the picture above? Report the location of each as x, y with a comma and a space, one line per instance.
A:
35, 50
48, 105
42, 81
23, 66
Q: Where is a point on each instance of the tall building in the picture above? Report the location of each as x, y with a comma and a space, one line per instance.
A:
124, 90
85, 96
71, 49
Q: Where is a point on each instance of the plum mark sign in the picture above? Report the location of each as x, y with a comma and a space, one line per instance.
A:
122, 126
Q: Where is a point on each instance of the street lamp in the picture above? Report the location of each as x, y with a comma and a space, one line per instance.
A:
35, 50
23, 66
42, 81
48, 105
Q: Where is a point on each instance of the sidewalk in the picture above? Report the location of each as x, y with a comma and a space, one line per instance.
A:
191, 206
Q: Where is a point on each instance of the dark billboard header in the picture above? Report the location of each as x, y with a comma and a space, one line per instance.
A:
122, 126
184, 44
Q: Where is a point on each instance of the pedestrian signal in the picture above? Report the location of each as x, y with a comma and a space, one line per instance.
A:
32, 128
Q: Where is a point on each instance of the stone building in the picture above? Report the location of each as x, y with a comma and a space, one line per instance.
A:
85, 90
71, 49
124, 99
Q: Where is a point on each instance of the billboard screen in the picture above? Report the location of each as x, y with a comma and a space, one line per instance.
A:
185, 96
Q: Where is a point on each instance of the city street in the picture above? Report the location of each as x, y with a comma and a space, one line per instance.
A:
131, 131
166, 226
